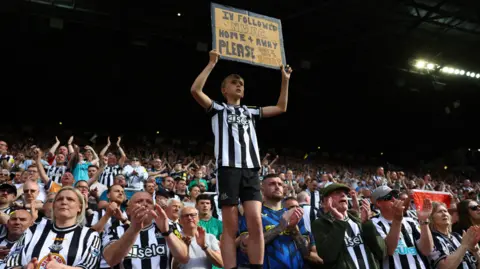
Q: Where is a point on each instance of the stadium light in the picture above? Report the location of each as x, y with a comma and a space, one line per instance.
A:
448, 70
420, 64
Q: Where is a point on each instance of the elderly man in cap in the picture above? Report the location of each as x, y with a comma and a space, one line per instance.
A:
344, 241
407, 241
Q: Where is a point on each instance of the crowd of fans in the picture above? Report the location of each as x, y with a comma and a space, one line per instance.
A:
62, 206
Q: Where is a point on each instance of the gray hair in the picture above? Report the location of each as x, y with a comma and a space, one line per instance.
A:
302, 197
81, 215
188, 207
171, 200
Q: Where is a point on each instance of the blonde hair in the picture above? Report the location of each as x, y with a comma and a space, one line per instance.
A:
81, 215
435, 206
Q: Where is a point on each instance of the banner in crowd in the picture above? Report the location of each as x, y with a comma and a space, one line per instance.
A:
434, 196
243, 36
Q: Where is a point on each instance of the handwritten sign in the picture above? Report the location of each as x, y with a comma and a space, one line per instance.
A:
243, 36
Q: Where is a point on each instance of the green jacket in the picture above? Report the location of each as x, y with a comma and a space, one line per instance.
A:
329, 236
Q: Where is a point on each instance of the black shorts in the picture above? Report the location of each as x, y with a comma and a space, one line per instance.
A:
237, 183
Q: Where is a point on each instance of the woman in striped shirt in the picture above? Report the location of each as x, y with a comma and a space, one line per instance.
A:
61, 242
452, 250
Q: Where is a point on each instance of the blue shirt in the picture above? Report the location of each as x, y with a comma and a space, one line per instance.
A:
80, 171
282, 252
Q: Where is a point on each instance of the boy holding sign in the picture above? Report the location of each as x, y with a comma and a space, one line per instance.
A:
238, 158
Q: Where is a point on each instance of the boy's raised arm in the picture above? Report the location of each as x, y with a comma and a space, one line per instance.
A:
199, 83
281, 107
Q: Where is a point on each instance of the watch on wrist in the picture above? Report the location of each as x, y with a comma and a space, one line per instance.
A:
167, 233
205, 247
424, 222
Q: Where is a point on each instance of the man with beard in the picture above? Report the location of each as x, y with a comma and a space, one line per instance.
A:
287, 242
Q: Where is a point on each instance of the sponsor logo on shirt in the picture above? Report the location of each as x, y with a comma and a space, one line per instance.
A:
148, 252
402, 249
353, 241
468, 258
239, 119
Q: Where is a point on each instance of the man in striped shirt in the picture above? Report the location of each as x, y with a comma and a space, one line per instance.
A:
238, 158
148, 242
344, 241
408, 241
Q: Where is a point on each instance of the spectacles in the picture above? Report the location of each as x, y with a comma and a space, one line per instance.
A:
82, 187
50, 200
474, 207
31, 171
388, 197
192, 215
29, 191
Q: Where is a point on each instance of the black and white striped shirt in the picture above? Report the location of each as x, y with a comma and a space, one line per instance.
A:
7, 210
109, 173
74, 246
4, 242
55, 173
97, 215
355, 245
446, 245
406, 255
236, 142
150, 250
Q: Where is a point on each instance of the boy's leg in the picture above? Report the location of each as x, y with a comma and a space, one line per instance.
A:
252, 205
228, 187
256, 244
230, 230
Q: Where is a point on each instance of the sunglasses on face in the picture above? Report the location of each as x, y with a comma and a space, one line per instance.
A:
388, 197
474, 207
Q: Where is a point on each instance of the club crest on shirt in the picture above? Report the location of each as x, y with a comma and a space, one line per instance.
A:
95, 252
44, 261
56, 247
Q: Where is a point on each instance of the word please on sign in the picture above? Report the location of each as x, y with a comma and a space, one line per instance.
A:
243, 36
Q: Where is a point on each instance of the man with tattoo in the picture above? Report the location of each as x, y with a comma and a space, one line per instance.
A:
287, 242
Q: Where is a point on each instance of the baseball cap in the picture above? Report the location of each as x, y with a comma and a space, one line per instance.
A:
333, 187
9, 188
380, 192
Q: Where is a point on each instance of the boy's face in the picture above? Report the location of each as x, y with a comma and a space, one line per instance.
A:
234, 87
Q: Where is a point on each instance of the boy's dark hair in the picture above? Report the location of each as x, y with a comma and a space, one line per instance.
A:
231, 76
203, 197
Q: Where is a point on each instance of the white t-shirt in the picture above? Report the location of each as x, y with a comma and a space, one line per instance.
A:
198, 258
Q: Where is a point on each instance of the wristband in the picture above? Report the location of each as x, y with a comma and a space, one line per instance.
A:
167, 233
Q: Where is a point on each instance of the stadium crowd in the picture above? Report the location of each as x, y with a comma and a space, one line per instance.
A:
65, 205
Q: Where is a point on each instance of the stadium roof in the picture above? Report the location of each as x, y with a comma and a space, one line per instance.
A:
353, 84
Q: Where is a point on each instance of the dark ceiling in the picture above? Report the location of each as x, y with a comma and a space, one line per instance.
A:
131, 63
